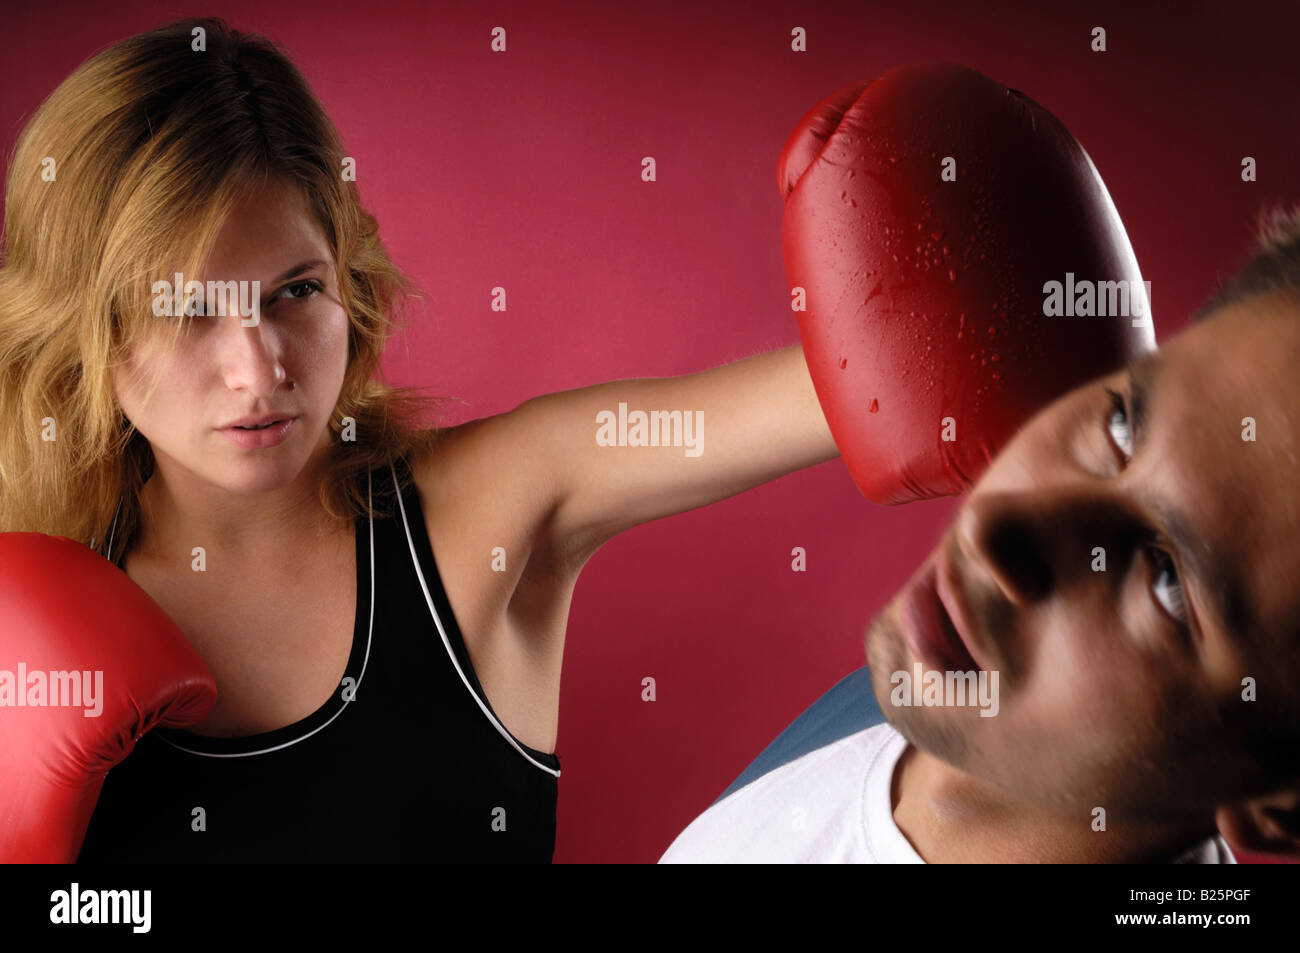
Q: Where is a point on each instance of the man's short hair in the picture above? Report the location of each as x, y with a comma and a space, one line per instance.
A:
1274, 263
1273, 266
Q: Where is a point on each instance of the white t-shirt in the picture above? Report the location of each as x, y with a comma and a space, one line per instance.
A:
832, 805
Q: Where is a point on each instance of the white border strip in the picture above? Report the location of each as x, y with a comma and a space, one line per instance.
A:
447, 642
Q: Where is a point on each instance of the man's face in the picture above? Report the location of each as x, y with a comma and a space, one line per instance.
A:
290, 363
1122, 688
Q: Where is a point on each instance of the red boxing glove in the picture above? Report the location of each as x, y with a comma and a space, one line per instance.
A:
120, 665
926, 213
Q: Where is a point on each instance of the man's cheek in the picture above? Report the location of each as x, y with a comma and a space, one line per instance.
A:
1062, 680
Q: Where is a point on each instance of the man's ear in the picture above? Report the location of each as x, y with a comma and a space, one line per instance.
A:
1264, 825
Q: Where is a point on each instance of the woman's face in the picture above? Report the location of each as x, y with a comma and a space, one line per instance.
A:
224, 367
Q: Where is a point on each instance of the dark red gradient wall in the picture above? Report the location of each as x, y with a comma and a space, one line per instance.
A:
521, 169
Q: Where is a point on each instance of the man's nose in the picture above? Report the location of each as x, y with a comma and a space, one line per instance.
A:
1036, 540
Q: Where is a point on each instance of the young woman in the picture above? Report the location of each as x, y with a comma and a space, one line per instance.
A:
382, 602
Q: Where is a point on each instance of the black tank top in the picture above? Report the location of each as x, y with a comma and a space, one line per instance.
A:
415, 767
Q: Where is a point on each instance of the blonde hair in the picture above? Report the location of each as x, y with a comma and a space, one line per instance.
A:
125, 175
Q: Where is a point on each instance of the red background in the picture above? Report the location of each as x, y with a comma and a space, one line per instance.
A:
522, 169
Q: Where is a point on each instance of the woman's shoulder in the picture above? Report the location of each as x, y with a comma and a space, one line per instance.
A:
493, 456
488, 480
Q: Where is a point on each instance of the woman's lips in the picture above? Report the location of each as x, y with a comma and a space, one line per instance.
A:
927, 629
259, 439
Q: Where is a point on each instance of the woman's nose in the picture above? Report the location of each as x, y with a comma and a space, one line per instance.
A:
251, 356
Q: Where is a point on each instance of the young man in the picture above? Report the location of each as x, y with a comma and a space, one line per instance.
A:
1120, 587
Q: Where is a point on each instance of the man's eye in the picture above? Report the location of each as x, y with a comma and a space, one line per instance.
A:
1165, 585
1117, 425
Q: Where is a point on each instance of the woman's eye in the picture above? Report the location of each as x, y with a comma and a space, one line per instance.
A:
1117, 425
1165, 585
312, 287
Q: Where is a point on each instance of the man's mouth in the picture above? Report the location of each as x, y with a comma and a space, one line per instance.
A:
929, 630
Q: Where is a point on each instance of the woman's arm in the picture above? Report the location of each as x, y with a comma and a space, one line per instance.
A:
735, 426
535, 484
